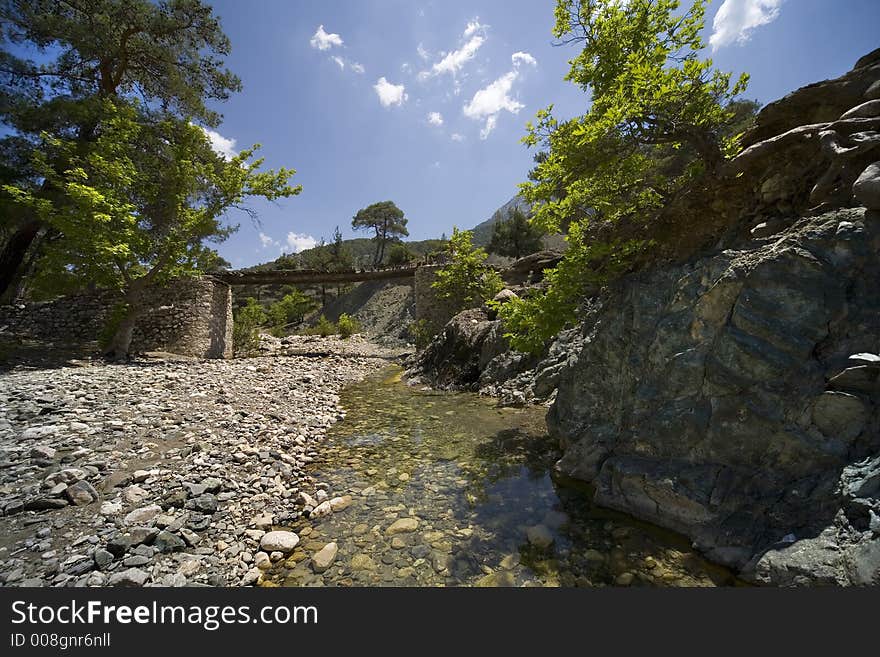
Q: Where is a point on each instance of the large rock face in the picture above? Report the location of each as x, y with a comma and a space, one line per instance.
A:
733, 399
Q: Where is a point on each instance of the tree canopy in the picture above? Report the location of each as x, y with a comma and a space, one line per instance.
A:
467, 279
652, 96
136, 206
386, 220
514, 236
59, 62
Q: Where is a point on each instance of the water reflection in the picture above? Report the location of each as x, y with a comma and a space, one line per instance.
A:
449, 490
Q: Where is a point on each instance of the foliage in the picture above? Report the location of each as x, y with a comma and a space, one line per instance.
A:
466, 280
514, 236
348, 325
399, 255
532, 321
421, 333
169, 53
136, 204
651, 96
386, 220
245, 327
324, 328
291, 309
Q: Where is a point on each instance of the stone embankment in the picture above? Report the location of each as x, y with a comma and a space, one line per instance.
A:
164, 473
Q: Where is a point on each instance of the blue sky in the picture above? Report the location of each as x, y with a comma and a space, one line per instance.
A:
424, 103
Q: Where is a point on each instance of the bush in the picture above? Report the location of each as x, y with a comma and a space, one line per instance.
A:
348, 325
421, 333
324, 328
466, 281
245, 327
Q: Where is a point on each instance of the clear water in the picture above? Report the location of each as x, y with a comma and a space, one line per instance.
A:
478, 481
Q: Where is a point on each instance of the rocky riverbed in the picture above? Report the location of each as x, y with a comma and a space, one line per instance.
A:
162, 472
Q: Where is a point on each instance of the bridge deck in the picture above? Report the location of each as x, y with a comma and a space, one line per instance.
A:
307, 276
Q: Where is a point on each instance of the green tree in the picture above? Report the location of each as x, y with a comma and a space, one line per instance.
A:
169, 53
514, 236
386, 220
245, 327
467, 280
651, 94
399, 255
291, 309
137, 205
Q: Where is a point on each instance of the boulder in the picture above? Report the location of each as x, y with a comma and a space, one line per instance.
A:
866, 189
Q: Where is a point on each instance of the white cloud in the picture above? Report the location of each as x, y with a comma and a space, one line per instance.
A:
435, 118
357, 68
453, 62
523, 58
297, 242
736, 19
339, 61
390, 94
456, 137
424, 54
492, 99
473, 27
324, 41
222, 145
268, 242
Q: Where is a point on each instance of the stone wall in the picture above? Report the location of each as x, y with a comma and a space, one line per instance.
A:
191, 317
434, 311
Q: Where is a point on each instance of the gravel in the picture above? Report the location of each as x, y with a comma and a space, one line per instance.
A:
161, 472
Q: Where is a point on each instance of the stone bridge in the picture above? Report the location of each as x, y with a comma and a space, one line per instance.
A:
311, 277
191, 316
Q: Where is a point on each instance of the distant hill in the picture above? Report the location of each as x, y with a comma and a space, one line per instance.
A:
483, 231
362, 248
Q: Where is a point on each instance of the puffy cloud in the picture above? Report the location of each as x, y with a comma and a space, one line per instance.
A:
494, 98
736, 19
222, 145
324, 41
267, 242
357, 68
454, 61
423, 54
339, 61
435, 118
473, 27
297, 242
456, 137
523, 58
390, 94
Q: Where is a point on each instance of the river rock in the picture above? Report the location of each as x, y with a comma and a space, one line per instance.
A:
324, 557
282, 541
402, 526
338, 504
142, 515
540, 536
81, 493
132, 577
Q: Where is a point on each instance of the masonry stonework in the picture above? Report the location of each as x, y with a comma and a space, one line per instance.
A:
190, 316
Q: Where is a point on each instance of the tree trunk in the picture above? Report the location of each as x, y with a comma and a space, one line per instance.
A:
120, 346
14, 252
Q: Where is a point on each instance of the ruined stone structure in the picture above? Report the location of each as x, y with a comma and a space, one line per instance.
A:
191, 317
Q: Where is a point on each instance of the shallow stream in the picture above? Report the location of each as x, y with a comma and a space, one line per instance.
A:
450, 490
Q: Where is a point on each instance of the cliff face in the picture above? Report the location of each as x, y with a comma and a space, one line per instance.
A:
728, 399
736, 397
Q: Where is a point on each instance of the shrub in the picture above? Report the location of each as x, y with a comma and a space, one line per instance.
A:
245, 327
348, 325
421, 333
